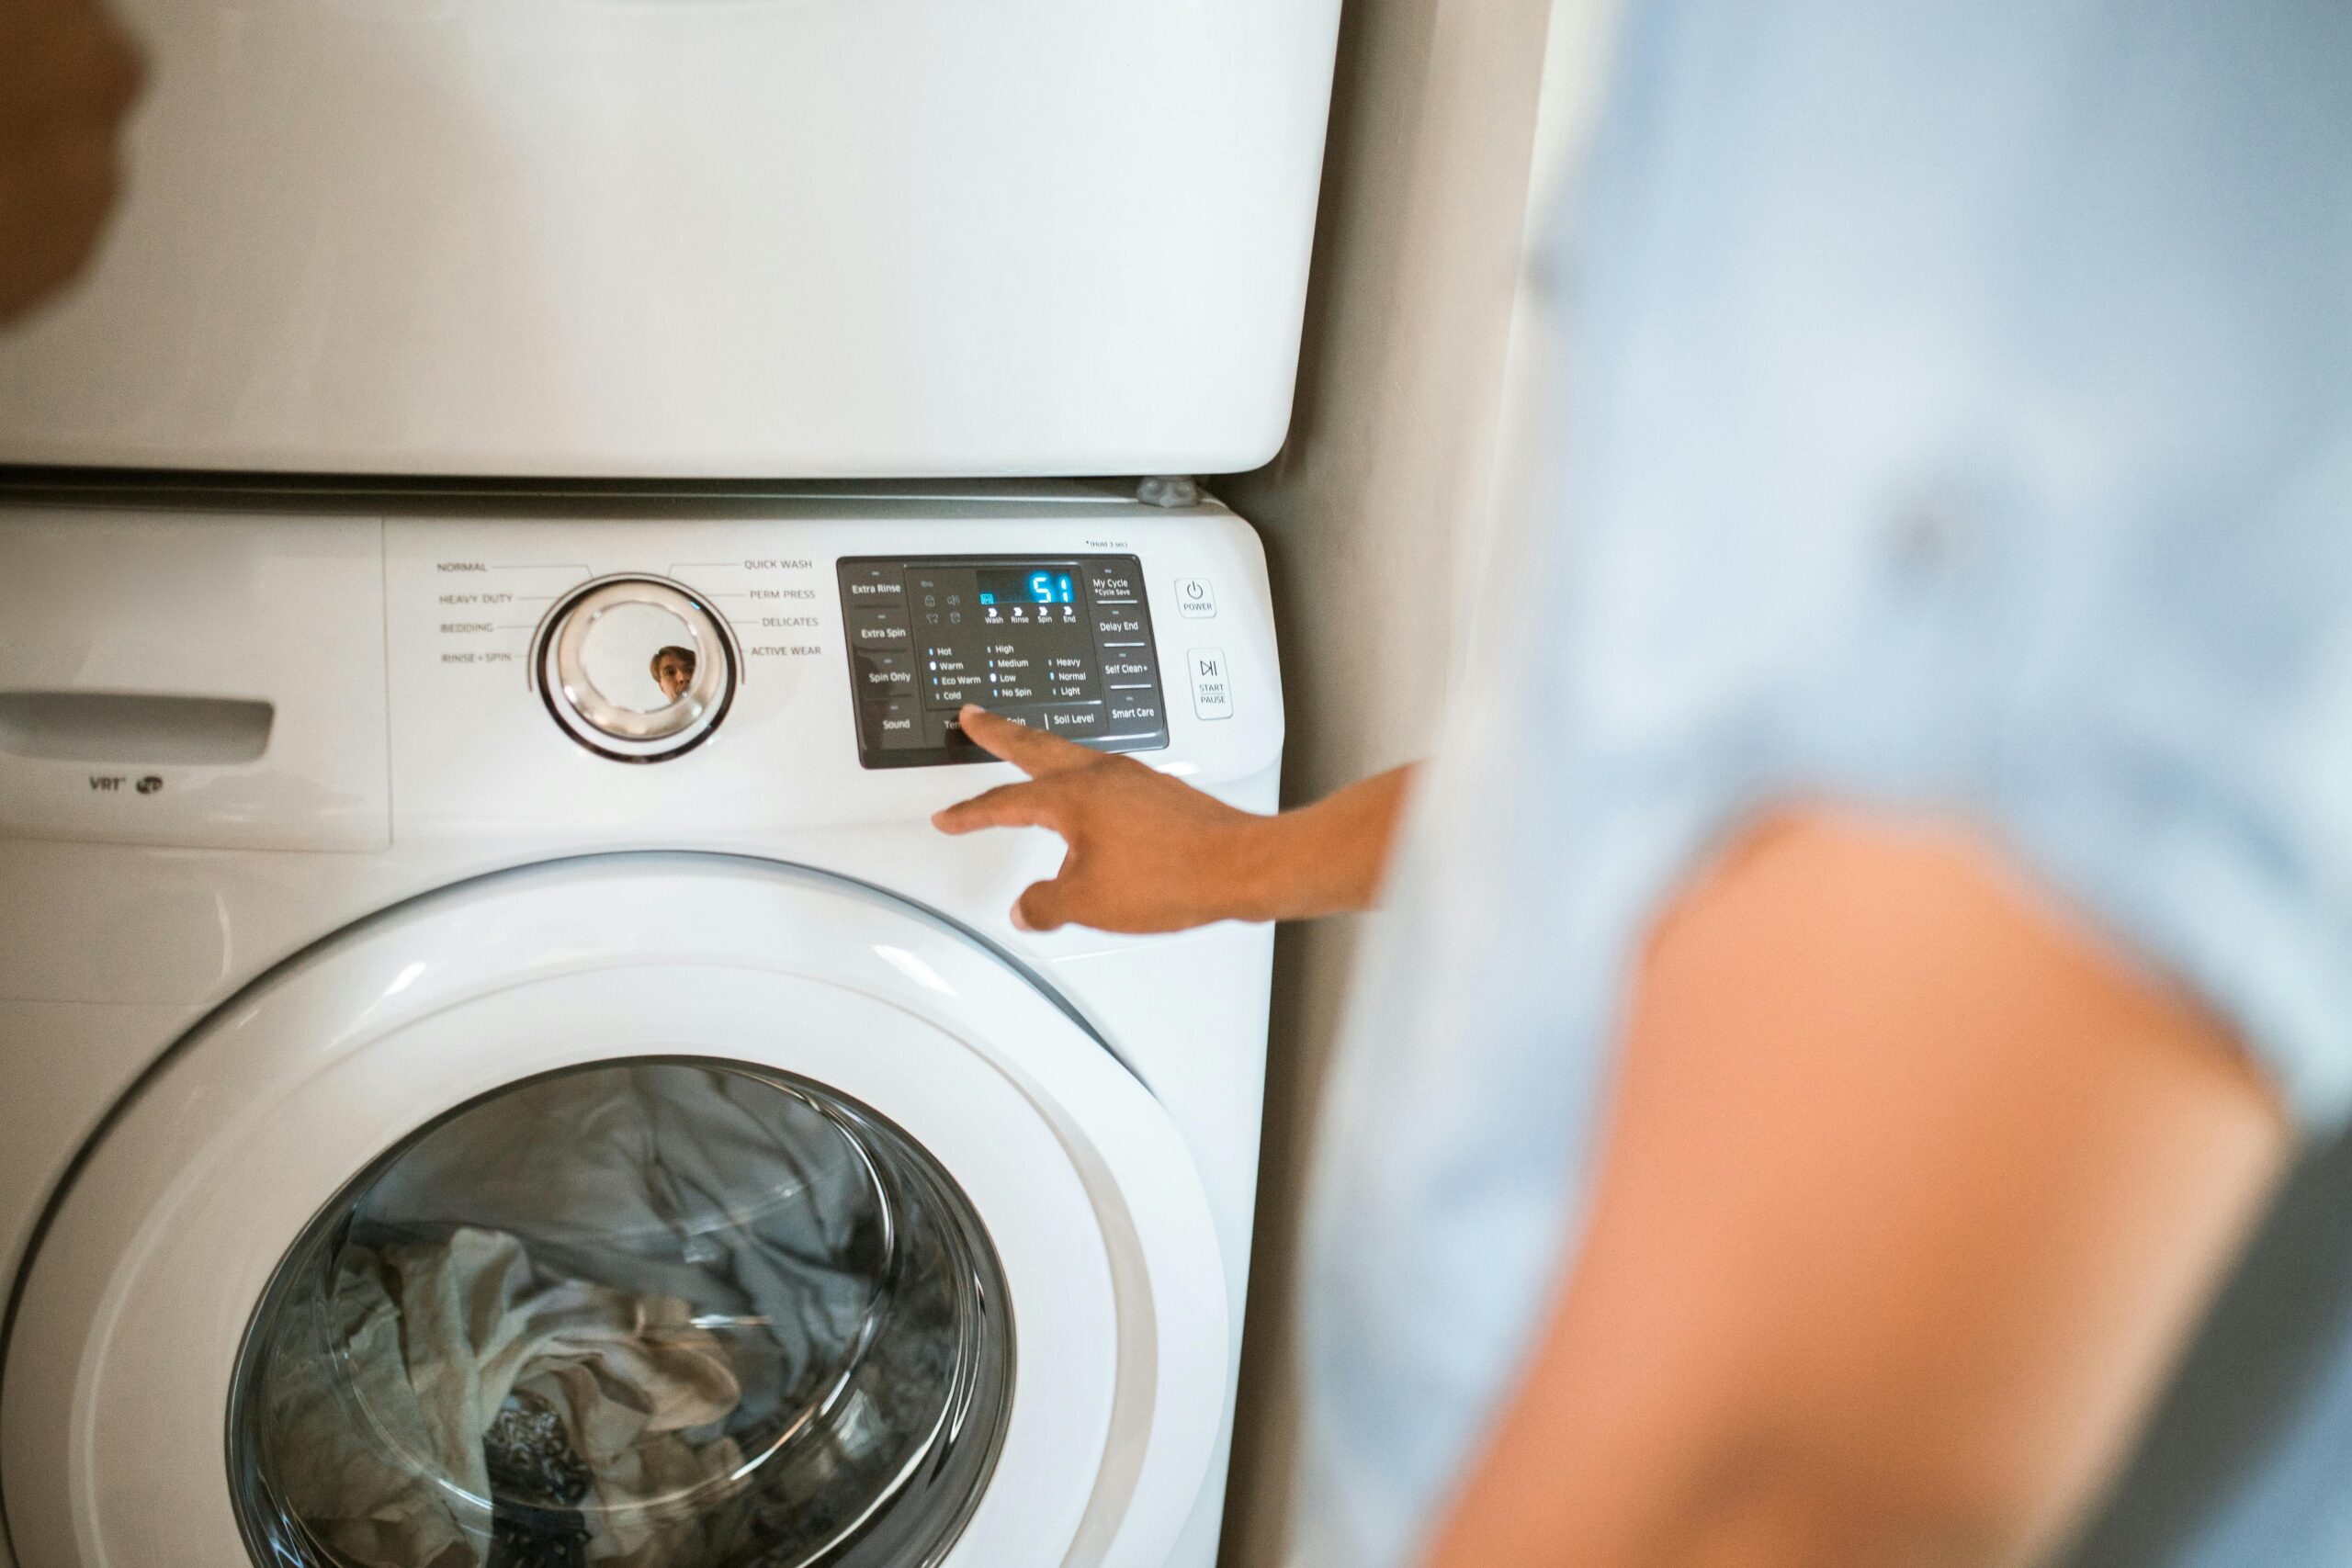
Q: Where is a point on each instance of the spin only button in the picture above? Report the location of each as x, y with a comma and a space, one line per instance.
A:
884, 675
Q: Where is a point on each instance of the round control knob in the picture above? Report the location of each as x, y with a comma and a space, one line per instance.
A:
635, 668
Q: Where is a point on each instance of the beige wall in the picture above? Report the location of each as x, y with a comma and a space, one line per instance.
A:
1374, 514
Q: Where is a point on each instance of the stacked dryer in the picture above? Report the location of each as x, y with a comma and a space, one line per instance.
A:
495, 1067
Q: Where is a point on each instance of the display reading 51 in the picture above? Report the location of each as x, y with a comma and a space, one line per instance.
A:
1064, 646
1014, 587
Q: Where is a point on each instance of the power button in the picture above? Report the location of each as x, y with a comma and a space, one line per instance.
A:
1195, 600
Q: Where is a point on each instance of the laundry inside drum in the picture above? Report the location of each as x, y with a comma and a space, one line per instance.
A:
664, 1313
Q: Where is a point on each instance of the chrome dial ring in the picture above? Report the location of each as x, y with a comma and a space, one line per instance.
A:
638, 669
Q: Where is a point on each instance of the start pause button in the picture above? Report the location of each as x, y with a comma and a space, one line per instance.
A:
1212, 685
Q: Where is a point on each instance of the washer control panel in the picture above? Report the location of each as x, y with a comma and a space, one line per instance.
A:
637, 668
1062, 644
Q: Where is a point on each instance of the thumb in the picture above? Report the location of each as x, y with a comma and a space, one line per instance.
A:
1043, 906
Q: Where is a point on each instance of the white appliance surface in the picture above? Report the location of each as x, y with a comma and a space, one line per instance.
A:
291, 844
803, 238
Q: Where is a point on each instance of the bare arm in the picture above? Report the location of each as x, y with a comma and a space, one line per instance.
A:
1912, 1191
1151, 853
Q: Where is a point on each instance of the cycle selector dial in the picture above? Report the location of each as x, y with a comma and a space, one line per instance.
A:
638, 669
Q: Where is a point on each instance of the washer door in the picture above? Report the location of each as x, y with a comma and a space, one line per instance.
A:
647, 1211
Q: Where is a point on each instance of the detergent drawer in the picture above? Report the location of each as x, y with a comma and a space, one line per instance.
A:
210, 681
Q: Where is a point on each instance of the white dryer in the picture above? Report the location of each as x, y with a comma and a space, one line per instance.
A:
856, 238
495, 1067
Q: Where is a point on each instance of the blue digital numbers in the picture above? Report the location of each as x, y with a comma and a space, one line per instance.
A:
1026, 585
1051, 588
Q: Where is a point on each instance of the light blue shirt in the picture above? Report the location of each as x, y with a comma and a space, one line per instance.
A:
1962, 418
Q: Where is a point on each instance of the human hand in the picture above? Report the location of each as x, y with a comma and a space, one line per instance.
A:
1146, 851
1149, 854
68, 75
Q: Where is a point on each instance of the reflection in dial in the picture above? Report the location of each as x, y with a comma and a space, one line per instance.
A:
638, 669
640, 656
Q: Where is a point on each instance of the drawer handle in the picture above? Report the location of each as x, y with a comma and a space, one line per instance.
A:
133, 727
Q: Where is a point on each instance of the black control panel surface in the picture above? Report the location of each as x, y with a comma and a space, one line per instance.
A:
1063, 645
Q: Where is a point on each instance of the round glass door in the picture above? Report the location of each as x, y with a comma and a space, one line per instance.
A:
663, 1314
658, 1211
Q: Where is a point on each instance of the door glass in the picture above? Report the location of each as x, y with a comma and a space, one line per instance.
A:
658, 1314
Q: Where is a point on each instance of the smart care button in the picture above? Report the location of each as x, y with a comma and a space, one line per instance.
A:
1135, 714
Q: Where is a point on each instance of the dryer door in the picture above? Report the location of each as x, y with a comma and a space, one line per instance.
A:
660, 1212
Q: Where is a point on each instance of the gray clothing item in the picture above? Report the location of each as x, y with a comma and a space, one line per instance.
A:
385, 1436
650, 1313
616, 1178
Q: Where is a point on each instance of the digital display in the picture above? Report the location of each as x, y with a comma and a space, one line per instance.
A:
1028, 585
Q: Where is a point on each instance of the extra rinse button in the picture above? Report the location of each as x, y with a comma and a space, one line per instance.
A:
1212, 683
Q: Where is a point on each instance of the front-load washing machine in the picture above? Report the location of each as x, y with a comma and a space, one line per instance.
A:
495, 1067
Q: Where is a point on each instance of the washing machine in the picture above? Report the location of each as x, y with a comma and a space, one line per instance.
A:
496, 1067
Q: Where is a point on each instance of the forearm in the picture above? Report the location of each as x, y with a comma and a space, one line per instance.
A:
1911, 1191
1325, 859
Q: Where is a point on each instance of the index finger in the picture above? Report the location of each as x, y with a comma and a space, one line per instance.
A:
1033, 752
